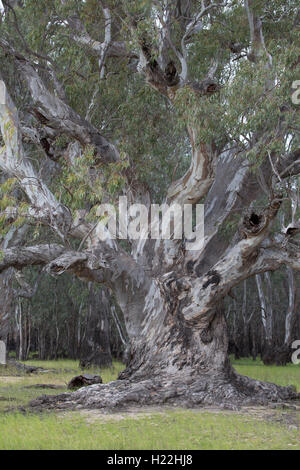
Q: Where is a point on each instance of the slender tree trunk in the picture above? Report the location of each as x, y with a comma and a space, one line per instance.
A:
95, 349
291, 312
253, 340
266, 317
233, 343
123, 350
283, 352
29, 335
19, 325
245, 322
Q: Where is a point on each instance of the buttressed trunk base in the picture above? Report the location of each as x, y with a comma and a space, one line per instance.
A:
173, 362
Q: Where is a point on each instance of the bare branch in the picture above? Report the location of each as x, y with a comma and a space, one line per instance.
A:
289, 165
117, 49
258, 47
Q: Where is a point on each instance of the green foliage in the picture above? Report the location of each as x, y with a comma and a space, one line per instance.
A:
84, 182
9, 200
149, 131
77, 186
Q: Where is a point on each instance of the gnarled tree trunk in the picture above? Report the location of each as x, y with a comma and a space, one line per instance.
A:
174, 360
171, 297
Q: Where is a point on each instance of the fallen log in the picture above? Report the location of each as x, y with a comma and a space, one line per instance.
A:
25, 368
52, 386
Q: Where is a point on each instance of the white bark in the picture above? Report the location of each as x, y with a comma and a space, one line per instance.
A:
266, 309
14, 162
290, 316
117, 49
196, 182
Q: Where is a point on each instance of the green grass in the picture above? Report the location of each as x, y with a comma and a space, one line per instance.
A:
172, 429
67, 368
180, 429
281, 375
12, 382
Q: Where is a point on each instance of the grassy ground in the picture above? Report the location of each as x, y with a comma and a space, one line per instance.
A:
158, 429
13, 391
287, 375
180, 429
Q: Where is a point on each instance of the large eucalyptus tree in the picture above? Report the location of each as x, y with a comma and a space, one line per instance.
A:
106, 89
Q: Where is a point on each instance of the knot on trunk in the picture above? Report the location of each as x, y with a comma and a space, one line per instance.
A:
68, 260
214, 278
171, 74
206, 335
174, 285
190, 266
254, 223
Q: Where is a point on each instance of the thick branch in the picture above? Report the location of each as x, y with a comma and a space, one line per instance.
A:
233, 267
53, 112
19, 257
235, 187
81, 36
14, 162
196, 182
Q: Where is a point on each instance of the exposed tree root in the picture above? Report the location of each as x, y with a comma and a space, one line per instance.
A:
205, 390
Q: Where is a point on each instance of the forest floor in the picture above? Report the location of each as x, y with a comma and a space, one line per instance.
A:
142, 428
